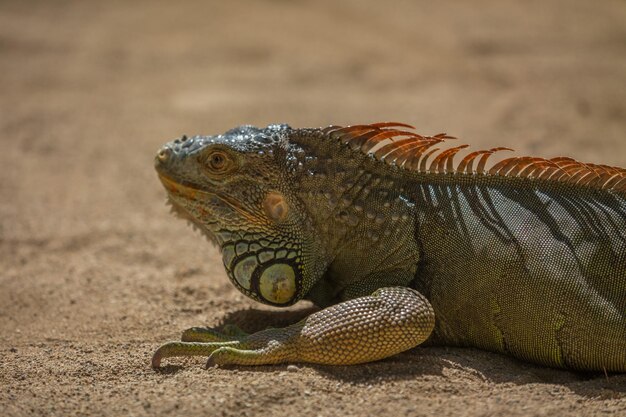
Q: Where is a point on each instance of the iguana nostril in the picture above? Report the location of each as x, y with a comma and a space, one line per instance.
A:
164, 154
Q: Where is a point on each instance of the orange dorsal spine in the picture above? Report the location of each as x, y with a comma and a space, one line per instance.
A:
391, 143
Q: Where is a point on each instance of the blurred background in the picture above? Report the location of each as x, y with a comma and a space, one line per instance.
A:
91, 89
93, 262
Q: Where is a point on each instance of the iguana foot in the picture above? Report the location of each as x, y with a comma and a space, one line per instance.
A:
228, 333
175, 349
200, 341
363, 329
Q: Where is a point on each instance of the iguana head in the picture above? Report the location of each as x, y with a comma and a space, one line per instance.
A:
236, 188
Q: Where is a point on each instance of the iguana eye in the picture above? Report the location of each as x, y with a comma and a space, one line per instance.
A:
218, 162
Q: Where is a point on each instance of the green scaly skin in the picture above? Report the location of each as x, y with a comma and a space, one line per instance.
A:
531, 268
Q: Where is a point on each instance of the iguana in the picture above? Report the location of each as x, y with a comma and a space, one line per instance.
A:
399, 245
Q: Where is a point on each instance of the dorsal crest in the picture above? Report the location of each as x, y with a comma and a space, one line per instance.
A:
392, 143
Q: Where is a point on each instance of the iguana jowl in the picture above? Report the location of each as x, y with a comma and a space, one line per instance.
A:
400, 245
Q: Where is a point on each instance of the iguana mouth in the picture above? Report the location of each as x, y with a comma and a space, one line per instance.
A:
178, 188
189, 192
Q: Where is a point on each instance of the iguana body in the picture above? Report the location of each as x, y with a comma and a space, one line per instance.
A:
401, 246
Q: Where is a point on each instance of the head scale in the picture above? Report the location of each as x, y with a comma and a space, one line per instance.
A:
237, 189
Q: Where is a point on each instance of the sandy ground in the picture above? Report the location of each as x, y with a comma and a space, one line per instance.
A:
95, 272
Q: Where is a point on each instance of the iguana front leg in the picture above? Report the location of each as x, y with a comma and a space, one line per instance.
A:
364, 329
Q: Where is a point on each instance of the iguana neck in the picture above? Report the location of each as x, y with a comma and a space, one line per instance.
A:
358, 206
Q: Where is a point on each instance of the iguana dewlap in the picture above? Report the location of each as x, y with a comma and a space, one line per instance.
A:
400, 245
